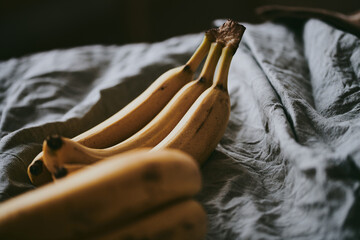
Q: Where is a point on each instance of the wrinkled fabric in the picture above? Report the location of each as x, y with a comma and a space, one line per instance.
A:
288, 166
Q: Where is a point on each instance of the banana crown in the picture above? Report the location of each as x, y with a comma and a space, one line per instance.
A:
230, 34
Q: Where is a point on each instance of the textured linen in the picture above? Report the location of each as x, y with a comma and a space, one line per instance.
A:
288, 166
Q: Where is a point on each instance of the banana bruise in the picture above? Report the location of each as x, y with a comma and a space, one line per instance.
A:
203, 126
181, 220
122, 188
136, 114
73, 152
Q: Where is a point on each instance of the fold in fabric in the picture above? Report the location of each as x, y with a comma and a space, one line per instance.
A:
288, 166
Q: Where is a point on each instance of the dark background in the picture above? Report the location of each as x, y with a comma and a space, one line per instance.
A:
28, 26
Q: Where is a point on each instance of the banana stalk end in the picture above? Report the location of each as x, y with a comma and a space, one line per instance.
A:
230, 34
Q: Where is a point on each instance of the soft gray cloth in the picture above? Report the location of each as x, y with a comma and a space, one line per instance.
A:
288, 166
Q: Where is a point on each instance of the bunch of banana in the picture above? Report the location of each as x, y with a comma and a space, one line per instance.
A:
193, 121
137, 113
59, 150
133, 195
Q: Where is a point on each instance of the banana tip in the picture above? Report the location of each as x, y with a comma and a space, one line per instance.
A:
54, 142
61, 172
36, 168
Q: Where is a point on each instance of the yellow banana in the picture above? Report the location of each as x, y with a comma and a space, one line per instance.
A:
121, 189
136, 114
73, 152
179, 221
202, 127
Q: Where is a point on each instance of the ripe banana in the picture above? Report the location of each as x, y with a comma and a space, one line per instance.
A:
202, 127
136, 114
121, 189
66, 151
182, 220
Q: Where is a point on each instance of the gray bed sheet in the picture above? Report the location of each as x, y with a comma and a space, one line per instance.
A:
288, 166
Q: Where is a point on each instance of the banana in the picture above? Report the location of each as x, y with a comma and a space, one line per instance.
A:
202, 127
66, 151
121, 189
136, 114
182, 220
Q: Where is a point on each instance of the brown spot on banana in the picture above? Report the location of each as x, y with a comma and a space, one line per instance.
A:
151, 173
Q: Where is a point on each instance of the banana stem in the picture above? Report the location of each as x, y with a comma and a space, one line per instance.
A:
221, 78
199, 54
207, 73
